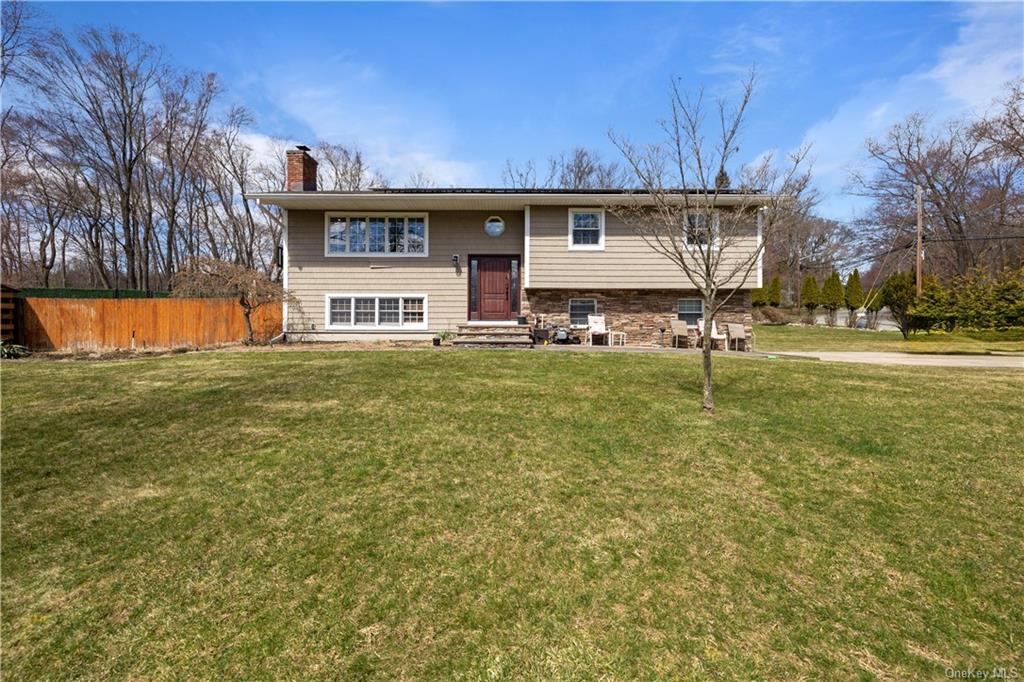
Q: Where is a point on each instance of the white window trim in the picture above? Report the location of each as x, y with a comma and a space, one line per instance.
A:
716, 242
581, 326
526, 251
689, 298
599, 246
401, 326
376, 214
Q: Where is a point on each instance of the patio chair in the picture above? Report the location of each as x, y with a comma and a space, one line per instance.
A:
680, 332
737, 333
596, 327
715, 336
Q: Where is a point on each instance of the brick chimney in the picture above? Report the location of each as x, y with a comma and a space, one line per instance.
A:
301, 170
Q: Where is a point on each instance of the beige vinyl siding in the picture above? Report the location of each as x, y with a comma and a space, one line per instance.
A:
626, 262
312, 275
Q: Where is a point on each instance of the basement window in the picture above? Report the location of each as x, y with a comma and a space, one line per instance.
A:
376, 311
579, 308
690, 310
375, 234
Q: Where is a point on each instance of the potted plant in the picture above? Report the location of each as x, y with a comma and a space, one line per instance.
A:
443, 335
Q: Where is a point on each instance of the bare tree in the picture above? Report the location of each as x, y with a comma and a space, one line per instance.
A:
341, 168
184, 108
420, 180
519, 176
708, 232
95, 92
19, 33
208, 277
580, 168
972, 192
803, 244
1005, 129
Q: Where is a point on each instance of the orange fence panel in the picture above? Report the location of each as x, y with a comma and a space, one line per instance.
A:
84, 324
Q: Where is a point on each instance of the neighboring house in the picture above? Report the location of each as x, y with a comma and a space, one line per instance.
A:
407, 263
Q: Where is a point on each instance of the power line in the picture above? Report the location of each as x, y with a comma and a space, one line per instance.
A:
972, 239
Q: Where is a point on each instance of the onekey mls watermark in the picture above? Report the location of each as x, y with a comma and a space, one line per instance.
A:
993, 673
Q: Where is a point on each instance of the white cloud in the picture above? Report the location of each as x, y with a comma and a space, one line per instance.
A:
967, 76
401, 131
987, 53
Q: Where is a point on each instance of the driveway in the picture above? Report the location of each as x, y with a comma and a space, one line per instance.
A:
920, 359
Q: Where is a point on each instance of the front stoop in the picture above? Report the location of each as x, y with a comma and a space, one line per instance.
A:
498, 336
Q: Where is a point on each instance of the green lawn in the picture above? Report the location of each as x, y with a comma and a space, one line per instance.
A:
499, 515
801, 338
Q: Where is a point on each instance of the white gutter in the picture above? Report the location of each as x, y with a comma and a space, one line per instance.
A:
760, 253
284, 274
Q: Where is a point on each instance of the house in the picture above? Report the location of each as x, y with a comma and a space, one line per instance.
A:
407, 263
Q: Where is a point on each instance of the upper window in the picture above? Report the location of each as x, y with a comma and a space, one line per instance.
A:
375, 235
579, 308
690, 310
586, 229
698, 231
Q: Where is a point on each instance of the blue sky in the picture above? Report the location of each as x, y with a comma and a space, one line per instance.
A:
454, 89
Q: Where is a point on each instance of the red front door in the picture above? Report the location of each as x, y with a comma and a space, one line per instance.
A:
492, 287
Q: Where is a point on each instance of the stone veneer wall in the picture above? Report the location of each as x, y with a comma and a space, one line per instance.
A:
639, 313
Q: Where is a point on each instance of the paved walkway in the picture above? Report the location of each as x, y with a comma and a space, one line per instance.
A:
919, 359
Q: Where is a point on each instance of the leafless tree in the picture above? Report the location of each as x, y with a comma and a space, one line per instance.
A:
19, 28
1005, 129
803, 244
519, 176
420, 180
972, 187
209, 277
94, 94
681, 213
184, 110
580, 168
342, 168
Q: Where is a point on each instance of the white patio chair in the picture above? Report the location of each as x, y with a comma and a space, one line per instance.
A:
715, 336
596, 327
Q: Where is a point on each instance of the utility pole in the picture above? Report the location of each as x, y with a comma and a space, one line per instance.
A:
920, 235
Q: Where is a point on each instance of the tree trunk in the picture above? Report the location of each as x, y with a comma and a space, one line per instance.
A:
709, 396
250, 337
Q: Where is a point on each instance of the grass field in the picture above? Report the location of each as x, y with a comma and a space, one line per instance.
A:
801, 338
489, 515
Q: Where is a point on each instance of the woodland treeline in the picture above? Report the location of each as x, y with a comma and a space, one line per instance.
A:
119, 168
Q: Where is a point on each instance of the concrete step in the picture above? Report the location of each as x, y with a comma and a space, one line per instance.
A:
501, 333
493, 342
498, 328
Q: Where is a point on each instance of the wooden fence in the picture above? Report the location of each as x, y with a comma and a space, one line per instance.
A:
104, 324
8, 314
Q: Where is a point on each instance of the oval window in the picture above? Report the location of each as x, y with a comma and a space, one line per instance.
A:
494, 226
